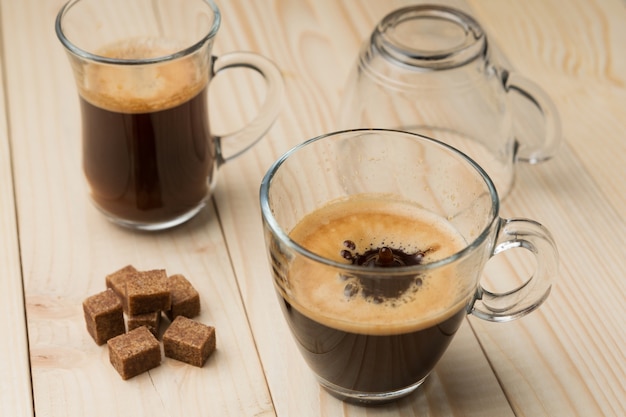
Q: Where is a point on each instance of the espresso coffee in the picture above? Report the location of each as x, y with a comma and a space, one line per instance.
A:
365, 329
148, 154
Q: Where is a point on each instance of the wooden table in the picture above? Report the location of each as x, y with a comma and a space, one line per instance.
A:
568, 358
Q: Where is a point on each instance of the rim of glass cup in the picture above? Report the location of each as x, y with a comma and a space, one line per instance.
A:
266, 210
133, 61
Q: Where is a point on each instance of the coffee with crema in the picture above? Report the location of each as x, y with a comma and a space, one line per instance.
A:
147, 153
374, 329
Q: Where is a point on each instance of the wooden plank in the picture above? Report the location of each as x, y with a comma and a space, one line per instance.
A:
569, 357
68, 248
575, 53
15, 392
545, 357
315, 44
540, 361
565, 359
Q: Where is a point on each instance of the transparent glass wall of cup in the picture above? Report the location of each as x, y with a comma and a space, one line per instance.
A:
142, 68
431, 70
370, 348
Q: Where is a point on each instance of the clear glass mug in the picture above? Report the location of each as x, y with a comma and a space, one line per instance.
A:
143, 69
377, 240
431, 69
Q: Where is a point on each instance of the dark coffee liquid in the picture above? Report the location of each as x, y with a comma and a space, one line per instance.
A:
372, 329
147, 152
148, 166
371, 363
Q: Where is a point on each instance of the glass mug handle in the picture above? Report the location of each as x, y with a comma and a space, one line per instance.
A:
547, 146
243, 139
530, 235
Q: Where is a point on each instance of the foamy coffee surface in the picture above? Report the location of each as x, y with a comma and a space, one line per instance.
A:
372, 221
142, 88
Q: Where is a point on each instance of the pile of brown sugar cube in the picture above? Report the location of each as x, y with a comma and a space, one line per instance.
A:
143, 297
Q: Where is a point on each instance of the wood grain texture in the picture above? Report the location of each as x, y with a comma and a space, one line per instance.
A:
566, 359
68, 248
535, 358
15, 391
316, 55
575, 53
579, 334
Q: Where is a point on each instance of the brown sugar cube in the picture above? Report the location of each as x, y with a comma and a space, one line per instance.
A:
104, 316
185, 298
147, 292
189, 341
134, 352
117, 282
151, 320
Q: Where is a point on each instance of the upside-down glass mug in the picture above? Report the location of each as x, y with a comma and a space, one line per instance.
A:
142, 69
430, 69
377, 240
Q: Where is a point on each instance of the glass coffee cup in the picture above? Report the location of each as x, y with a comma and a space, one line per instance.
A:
431, 69
377, 240
143, 70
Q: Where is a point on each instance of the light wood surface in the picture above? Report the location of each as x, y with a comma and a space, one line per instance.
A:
566, 359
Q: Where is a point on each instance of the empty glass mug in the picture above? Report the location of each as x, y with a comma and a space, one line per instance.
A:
143, 69
377, 241
430, 69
